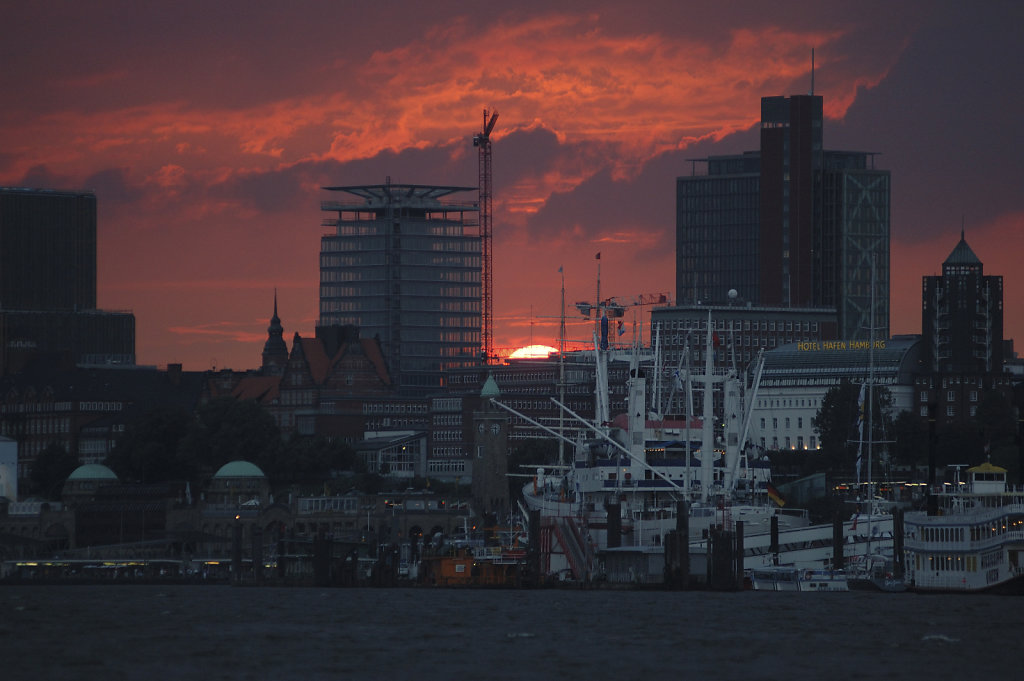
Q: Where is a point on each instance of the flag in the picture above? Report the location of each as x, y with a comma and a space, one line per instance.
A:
598, 256
559, 270
621, 328
860, 428
774, 494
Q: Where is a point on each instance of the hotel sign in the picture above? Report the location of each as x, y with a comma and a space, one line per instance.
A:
814, 346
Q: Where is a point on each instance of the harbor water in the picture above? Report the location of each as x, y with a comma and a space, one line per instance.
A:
223, 632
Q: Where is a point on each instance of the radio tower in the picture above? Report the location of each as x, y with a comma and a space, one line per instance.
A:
482, 140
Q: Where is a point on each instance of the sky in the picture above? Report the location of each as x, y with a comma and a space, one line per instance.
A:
208, 129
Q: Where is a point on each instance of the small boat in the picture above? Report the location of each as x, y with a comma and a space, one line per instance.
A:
876, 572
789, 578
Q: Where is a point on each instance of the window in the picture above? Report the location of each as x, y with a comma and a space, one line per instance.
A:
762, 423
950, 410
775, 423
974, 396
799, 421
787, 423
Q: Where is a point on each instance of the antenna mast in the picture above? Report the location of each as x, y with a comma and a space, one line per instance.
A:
812, 72
482, 140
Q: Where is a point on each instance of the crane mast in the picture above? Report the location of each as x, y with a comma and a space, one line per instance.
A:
482, 141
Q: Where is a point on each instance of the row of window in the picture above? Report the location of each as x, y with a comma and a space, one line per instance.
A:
950, 411
775, 422
734, 325
787, 443
946, 563
951, 396
450, 463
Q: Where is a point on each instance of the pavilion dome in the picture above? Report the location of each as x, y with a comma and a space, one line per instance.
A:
239, 469
93, 471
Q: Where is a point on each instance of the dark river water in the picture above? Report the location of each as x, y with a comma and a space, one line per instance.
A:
224, 632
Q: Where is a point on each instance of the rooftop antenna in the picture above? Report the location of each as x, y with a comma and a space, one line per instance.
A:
812, 72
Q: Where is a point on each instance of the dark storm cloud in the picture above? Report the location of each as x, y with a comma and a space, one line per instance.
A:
947, 121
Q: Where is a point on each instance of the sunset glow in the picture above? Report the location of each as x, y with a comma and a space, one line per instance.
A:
534, 352
208, 132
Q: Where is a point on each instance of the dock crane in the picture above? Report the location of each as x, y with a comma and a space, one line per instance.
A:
482, 140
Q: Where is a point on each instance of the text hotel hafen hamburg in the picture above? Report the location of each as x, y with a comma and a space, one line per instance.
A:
840, 345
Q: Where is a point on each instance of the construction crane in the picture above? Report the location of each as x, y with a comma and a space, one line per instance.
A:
482, 140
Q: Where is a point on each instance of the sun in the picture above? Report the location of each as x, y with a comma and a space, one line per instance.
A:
534, 352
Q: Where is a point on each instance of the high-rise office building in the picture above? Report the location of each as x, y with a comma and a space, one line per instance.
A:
790, 225
47, 249
48, 283
403, 264
962, 316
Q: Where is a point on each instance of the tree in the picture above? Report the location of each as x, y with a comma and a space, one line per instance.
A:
996, 419
911, 440
50, 469
226, 429
310, 459
838, 424
150, 449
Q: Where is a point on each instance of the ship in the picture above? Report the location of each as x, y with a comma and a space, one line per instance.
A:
972, 538
629, 476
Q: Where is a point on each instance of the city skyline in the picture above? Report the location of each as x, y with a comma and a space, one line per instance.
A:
207, 133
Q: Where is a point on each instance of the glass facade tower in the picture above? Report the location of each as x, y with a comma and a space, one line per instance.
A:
790, 225
403, 263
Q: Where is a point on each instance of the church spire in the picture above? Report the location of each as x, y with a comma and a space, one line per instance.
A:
275, 350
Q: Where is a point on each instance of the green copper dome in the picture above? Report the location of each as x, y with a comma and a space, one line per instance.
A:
239, 469
92, 471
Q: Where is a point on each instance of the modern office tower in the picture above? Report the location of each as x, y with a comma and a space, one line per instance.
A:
403, 264
962, 316
791, 162
717, 231
48, 283
791, 225
47, 249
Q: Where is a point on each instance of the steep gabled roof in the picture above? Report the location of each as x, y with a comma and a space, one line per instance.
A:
316, 358
371, 348
263, 389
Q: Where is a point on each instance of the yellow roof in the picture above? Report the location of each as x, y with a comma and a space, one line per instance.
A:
986, 467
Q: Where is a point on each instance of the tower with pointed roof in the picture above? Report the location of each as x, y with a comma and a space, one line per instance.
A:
275, 351
490, 454
962, 316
